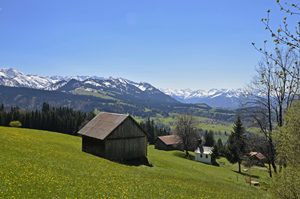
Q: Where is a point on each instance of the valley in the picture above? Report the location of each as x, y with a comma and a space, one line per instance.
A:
89, 93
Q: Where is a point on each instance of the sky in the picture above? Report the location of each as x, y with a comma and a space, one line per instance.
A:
192, 44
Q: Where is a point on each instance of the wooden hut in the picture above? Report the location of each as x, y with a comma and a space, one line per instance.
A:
114, 136
168, 143
256, 158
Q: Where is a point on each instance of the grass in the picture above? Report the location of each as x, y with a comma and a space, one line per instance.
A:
201, 122
41, 164
219, 127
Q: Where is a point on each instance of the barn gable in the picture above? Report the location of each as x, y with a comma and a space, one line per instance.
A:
102, 125
130, 126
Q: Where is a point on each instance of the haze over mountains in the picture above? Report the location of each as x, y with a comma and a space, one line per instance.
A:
222, 98
120, 88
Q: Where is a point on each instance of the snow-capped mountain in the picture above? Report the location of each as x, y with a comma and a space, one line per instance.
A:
119, 95
13, 78
222, 98
116, 88
120, 89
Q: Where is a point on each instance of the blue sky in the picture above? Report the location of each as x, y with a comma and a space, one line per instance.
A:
169, 43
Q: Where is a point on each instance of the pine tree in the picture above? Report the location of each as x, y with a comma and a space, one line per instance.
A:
236, 144
209, 139
1, 108
219, 148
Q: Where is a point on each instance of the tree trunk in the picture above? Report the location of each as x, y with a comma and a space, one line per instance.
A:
272, 155
274, 166
240, 167
270, 169
280, 122
187, 155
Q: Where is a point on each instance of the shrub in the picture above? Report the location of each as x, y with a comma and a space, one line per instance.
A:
16, 124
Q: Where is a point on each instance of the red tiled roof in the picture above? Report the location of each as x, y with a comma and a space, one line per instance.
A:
170, 139
257, 155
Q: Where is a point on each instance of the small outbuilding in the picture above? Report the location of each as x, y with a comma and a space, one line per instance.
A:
168, 143
257, 158
204, 154
116, 137
257, 155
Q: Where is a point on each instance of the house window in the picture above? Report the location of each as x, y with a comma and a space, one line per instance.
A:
206, 156
200, 155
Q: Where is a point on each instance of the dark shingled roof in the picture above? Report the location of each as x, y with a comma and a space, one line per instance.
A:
170, 139
102, 125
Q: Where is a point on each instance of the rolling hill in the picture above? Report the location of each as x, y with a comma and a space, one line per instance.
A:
40, 164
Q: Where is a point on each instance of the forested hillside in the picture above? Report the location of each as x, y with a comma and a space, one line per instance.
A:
31, 99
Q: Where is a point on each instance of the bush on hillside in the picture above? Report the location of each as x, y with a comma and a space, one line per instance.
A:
16, 124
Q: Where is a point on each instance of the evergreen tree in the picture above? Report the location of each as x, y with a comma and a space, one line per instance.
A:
209, 138
236, 144
64, 120
219, 148
1, 108
45, 107
153, 130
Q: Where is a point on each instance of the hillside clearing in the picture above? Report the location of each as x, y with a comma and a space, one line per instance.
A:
40, 164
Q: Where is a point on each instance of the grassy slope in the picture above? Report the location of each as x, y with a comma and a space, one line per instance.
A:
43, 164
203, 123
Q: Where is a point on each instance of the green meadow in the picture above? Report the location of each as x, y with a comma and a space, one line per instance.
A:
41, 164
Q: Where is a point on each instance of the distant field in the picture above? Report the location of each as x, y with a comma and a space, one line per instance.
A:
40, 164
201, 122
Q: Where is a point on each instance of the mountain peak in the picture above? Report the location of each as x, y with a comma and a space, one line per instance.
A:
223, 98
121, 86
11, 72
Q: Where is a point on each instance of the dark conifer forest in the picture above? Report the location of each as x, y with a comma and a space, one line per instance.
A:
59, 119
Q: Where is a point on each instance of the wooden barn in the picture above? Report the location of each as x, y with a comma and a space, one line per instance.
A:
117, 137
168, 143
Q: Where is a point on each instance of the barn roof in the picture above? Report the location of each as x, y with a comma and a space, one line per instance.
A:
102, 125
257, 155
170, 139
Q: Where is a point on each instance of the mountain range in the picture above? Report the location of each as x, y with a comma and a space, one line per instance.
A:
221, 98
109, 94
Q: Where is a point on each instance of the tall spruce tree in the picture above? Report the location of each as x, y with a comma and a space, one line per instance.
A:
236, 144
209, 138
219, 148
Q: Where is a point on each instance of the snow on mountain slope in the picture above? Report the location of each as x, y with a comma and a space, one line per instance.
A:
14, 78
222, 98
122, 88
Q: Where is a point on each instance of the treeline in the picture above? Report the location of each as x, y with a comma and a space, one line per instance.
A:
58, 119
251, 141
208, 138
153, 130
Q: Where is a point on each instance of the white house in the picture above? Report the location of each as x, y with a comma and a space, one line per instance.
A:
203, 154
